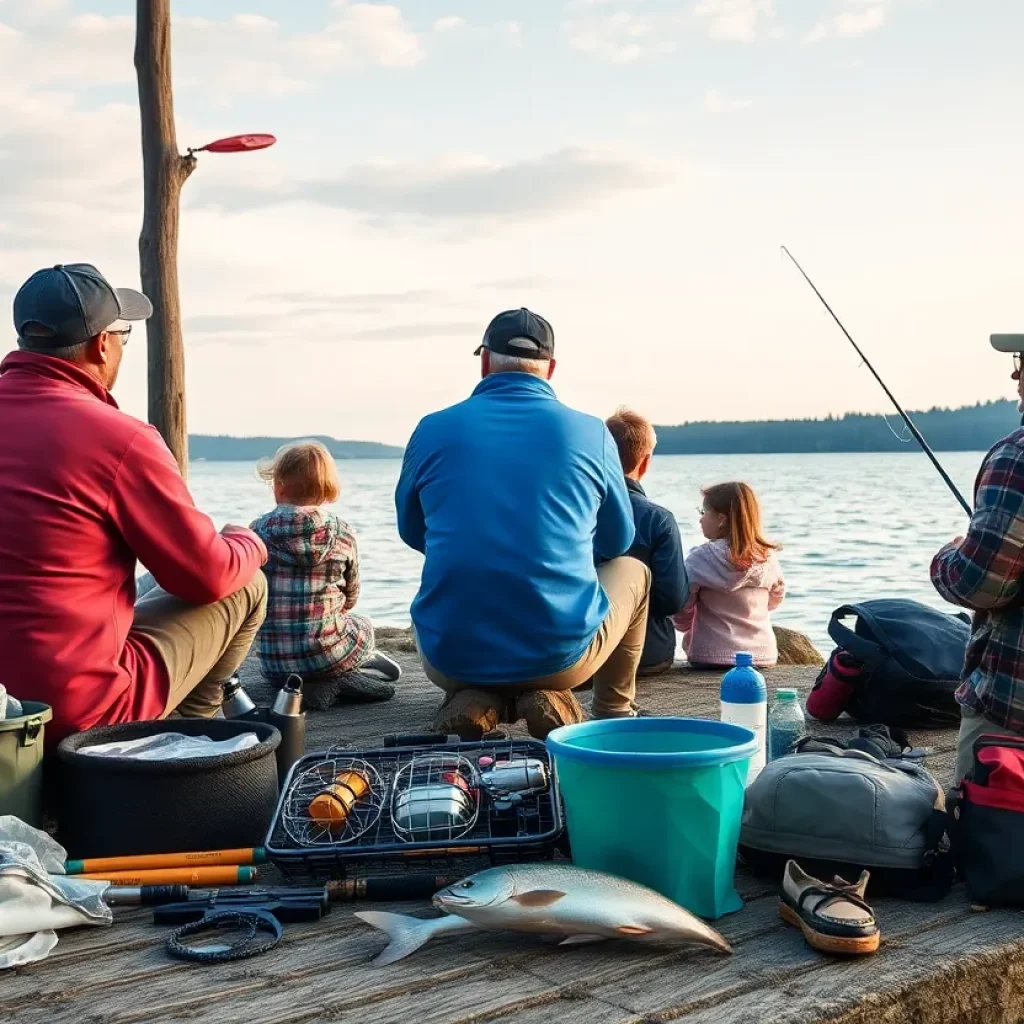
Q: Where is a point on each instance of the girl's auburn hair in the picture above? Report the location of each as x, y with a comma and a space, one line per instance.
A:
303, 473
738, 503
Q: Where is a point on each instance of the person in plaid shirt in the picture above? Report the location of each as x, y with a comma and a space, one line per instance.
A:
984, 571
312, 570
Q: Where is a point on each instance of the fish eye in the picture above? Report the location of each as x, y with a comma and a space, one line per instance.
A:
467, 885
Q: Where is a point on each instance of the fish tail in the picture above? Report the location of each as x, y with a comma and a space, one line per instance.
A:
407, 934
717, 941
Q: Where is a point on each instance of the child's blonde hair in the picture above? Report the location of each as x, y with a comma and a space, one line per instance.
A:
738, 503
302, 473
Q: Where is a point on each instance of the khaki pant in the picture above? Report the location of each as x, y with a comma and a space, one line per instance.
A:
972, 726
613, 655
201, 645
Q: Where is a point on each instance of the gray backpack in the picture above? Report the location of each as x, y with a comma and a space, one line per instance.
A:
844, 812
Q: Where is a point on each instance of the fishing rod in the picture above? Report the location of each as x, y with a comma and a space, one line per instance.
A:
906, 419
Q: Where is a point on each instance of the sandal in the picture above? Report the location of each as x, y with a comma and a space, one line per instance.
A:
834, 918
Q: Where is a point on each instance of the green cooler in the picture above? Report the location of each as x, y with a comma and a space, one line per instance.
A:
21, 762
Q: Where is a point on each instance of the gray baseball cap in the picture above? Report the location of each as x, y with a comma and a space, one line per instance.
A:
1007, 342
71, 303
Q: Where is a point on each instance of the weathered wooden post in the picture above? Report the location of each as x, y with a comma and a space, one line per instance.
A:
165, 170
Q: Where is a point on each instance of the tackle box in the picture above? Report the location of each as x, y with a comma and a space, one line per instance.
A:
403, 807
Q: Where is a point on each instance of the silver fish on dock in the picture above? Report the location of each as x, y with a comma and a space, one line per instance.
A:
546, 899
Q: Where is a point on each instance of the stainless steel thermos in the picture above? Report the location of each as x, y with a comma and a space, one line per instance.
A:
286, 715
236, 703
289, 719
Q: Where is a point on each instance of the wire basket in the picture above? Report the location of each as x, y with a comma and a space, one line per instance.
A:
434, 798
350, 808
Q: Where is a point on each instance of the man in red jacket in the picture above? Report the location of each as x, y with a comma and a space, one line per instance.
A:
85, 492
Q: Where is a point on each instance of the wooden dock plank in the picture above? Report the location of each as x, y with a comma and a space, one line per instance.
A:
765, 960
321, 972
916, 972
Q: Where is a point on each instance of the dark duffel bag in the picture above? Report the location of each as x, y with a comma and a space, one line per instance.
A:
988, 817
912, 657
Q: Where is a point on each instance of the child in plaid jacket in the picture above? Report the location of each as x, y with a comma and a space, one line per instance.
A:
311, 629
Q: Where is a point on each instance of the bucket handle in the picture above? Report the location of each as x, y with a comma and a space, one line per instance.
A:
30, 732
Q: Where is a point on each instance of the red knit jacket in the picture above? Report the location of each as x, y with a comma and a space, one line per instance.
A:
85, 491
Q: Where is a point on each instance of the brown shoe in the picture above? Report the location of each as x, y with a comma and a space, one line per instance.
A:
469, 714
834, 918
654, 670
545, 710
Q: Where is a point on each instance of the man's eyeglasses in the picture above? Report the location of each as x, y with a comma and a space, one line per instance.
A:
123, 335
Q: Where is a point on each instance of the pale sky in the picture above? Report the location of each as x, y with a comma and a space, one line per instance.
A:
627, 168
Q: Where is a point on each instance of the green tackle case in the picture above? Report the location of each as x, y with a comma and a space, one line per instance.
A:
21, 762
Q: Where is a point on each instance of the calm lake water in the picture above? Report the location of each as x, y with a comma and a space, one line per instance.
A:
853, 527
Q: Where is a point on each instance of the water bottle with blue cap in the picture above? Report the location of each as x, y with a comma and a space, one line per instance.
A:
744, 701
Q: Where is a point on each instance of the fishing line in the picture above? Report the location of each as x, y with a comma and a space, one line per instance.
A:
904, 438
915, 433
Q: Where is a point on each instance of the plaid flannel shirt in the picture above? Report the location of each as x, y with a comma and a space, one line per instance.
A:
312, 573
985, 573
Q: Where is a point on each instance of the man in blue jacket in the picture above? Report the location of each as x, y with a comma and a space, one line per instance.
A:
657, 544
511, 496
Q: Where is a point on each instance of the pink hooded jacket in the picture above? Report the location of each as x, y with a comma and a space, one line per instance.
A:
728, 609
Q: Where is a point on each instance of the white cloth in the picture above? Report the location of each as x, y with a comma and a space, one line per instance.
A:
10, 707
36, 897
171, 746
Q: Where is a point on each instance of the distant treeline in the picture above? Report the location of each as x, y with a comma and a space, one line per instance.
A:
252, 449
971, 428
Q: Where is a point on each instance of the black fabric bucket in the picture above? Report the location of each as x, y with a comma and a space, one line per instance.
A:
117, 806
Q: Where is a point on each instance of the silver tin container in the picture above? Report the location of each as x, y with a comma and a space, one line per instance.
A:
439, 807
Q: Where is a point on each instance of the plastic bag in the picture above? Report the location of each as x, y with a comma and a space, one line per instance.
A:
37, 897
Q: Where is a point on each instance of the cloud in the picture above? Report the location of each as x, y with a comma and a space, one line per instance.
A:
27, 12
513, 32
355, 302
513, 283
42, 42
456, 188
848, 24
243, 54
734, 20
449, 23
50, 149
362, 34
509, 33
407, 332
104, 27
254, 23
249, 327
620, 38
349, 299
716, 102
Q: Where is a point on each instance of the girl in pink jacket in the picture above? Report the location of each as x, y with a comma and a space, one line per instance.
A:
735, 582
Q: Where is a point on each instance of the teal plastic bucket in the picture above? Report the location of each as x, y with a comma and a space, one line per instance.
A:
657, 801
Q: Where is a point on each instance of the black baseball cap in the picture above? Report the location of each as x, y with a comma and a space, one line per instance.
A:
518, 332
70, 303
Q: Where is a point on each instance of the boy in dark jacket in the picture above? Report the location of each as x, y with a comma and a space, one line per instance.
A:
657, 544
